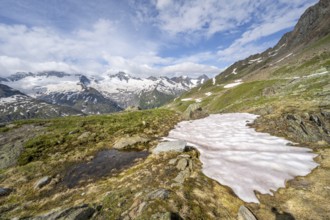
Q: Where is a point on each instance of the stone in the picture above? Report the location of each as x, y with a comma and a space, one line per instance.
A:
158, 194
182, 164
245, 214
83, 212
5, 191
126, 142
194, 111
42, 182
180, 178
177, 146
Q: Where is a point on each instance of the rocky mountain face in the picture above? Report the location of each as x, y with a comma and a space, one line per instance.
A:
15, 105
95, 95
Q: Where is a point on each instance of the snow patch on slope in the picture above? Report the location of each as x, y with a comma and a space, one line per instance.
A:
241, 158
236, 83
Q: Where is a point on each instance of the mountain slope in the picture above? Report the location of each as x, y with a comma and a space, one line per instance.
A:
291, 78
15, 105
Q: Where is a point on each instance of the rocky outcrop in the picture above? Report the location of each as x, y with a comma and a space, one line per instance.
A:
302, 127
184, 164
313, 24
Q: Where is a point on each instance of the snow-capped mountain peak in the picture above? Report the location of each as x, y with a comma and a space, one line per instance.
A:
120, 88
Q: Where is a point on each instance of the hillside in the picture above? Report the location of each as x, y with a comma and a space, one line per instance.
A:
291, 78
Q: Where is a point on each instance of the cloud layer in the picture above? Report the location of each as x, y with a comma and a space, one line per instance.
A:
162, 37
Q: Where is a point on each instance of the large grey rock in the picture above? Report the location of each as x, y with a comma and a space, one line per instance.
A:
177, 146
194, 111
5, 191
245, 214
83, 212
126, 142
42, 182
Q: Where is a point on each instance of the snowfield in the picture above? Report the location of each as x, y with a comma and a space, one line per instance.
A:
241, 158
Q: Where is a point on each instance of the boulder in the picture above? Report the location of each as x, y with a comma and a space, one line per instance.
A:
194, 111
126, 142
42, 182
177, 146
245, 214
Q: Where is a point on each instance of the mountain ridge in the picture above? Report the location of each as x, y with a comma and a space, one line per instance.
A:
100, 94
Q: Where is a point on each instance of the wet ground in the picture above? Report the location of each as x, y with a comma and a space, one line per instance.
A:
105, 163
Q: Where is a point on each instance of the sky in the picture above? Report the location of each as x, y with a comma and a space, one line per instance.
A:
140, 37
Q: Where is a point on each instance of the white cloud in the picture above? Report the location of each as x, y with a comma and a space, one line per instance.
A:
136, 47
191, 69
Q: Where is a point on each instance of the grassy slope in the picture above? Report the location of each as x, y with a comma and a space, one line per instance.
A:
269, 85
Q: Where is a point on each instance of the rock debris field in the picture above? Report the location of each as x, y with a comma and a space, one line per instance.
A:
237, 156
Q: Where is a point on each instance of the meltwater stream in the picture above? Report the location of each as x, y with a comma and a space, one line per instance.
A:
241, 158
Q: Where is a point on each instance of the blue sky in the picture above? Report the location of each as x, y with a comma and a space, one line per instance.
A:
141, 37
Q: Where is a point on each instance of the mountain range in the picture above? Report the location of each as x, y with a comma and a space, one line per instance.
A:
96, 94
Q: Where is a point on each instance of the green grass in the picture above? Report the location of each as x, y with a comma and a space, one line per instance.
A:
243, 95
62, 135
